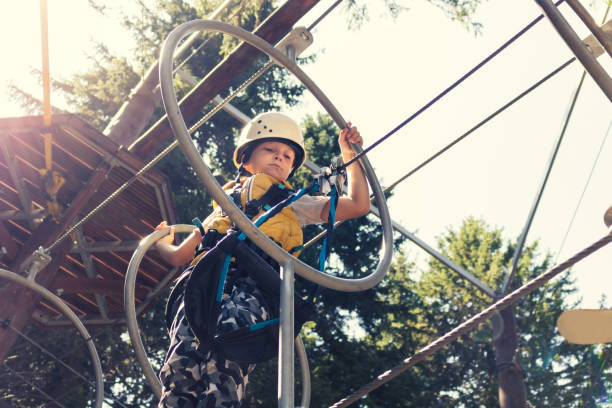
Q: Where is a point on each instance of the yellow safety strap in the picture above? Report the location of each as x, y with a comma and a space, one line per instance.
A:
52, 180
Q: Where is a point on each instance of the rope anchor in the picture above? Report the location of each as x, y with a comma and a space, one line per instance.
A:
35, 263
334, 175
52, 181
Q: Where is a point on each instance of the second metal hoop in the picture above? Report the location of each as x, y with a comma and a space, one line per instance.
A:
132, 321
189, 149
30, 284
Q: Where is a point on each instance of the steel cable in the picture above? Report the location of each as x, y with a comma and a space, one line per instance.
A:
31, 384
457, 140
471, 323
451, 87
174, 144
50, 354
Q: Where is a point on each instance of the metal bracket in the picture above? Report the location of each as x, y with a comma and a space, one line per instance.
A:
331, 176
35, 263
299, 38
608, 217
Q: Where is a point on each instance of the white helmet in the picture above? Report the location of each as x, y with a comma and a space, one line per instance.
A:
271, 125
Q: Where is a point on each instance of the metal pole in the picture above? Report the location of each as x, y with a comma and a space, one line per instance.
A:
577, 47
447, 262
44, 33
300, 351
286, 375
519, 248
286, 339
604, 38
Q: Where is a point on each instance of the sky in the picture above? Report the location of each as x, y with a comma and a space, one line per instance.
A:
379, 75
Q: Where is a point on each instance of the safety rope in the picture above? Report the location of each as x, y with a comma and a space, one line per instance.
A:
54, 357
52, 180
472, 323
450, 88
457, 140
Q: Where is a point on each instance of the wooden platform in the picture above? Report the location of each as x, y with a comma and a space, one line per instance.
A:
88, 271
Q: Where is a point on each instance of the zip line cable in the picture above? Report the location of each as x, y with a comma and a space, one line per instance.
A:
450, 88
586, 185
472, 323
173, 145
457, 140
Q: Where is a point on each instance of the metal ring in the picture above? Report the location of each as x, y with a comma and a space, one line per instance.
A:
132, 321
30, 284
190, 151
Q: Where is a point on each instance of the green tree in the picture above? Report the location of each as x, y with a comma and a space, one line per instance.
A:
334, 350
469, 366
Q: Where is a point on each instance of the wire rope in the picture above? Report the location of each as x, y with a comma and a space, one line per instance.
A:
174, 144
451, 87
473, 322
586, 185
54, 357
31, 384
323, 15
160, 156
457, 140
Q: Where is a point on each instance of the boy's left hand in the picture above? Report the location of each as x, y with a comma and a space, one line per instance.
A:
349, 134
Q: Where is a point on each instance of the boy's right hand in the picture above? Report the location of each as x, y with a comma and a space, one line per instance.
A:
166, 239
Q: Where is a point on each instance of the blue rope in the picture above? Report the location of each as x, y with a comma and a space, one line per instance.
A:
261, 325
222, 278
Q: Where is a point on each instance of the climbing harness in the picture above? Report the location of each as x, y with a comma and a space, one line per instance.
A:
230, 255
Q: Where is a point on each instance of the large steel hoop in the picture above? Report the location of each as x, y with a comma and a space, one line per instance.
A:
190, 151
132, 321
30, 284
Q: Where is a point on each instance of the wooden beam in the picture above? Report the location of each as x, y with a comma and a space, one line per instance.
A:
20, 215
90, 270
22, 191
17, 304
272, 30
110, 246
110, 287
6, 240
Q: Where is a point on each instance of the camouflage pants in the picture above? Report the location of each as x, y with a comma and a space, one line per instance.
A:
193, 379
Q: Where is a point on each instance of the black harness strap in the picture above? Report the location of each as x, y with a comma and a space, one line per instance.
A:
257, 342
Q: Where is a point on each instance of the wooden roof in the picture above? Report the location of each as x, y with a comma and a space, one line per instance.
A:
88, 271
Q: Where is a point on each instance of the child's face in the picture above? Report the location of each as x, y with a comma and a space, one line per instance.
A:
272, 158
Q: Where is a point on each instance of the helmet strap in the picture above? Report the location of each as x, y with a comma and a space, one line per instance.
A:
241, 171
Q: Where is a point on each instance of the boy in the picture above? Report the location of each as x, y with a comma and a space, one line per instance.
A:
270, 148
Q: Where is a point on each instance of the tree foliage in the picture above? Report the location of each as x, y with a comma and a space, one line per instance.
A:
548, 362
354, 337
